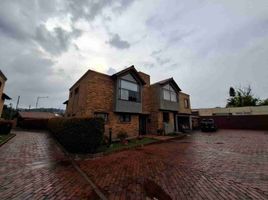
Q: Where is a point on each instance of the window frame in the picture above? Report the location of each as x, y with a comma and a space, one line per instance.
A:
124, 89
106, 116
186, 103
122, 118
171, 92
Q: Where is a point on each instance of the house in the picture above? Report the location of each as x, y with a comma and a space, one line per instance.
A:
247, 110
128, 102
34, 120
3, 96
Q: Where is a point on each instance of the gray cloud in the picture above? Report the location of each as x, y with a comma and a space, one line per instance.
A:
56, 41
89, 9
118, 43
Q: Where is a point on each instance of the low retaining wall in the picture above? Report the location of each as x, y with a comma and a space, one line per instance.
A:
253, 122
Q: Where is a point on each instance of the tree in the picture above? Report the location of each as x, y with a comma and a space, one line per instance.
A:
241, 97
264, 102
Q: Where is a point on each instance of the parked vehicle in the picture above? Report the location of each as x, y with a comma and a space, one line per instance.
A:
208, 125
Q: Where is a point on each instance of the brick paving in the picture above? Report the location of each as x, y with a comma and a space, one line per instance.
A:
228, 164
33, 167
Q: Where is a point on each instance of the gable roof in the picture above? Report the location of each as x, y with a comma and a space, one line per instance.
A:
37, 115
5, 97
169, 80
130, 69
2, 74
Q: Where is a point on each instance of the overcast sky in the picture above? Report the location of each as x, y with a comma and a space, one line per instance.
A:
205, 45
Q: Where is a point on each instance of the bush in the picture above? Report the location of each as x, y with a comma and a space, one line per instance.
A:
78, 135
122, 135
5, 127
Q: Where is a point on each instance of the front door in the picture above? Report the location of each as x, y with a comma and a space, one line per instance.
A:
142, 125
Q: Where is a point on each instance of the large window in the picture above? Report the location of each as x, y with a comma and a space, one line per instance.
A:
169, 93
101, 115
124, 117
129, 91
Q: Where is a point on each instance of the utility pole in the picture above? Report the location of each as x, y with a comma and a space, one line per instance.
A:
18, 101
37, 100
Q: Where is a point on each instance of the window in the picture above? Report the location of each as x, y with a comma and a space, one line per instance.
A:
186, 103
129, 91
165, 117
125, 118
0, 84
71, 94
169, 93
102, 115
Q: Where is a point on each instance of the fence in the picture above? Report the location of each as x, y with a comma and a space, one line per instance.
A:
253, 122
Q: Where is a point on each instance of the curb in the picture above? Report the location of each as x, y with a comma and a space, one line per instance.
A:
78, 169
5, 141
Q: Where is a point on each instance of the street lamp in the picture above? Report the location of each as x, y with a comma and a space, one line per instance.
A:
37, 100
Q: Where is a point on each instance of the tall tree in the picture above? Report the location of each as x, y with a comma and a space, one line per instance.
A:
241, 97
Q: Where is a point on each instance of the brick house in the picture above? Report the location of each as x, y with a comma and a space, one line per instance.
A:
129, 102
3, 96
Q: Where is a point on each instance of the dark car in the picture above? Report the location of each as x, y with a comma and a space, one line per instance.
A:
208, 125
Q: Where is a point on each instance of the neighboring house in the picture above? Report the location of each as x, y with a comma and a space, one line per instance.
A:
129, 103
247, 110
34, 120
3, 96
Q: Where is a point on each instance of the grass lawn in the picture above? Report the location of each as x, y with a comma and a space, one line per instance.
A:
116, 146
4, 138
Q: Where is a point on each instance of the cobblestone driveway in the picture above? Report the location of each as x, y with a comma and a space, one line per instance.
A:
225, 165
229, 164
33, 167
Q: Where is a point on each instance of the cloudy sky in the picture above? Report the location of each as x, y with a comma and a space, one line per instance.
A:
206, 45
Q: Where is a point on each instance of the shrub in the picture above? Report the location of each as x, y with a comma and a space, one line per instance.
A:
5, 127
33, 123
122, 135
78, 135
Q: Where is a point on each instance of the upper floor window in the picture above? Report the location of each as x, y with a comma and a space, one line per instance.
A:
0, 84
71, 94
186, 103
169, 93
129, 91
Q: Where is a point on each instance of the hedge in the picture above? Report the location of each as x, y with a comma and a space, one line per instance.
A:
33, 123
5, 126
78, 135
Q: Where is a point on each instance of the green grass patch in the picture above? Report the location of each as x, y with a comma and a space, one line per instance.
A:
4, 138
117, 146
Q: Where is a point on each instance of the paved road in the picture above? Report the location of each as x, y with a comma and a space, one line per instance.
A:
33, 167
226, 165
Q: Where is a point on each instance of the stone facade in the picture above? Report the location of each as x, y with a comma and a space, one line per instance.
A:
96, 93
